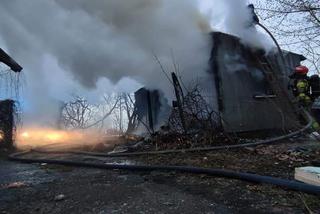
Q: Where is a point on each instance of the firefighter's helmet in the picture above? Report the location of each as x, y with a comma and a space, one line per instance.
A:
301, 69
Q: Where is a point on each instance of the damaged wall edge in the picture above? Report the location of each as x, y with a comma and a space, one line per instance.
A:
150, 107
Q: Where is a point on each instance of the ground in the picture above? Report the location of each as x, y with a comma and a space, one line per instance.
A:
40, 188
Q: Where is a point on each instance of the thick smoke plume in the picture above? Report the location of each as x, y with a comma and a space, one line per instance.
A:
234, 17
74, 47
238, 21
112, 39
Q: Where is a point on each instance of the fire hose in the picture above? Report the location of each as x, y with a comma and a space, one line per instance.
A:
287, 184
275, 42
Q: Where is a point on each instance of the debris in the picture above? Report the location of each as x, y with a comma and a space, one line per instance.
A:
315, 136
59, 197
119, 149
294, 155
283, 157
167, 203
139, 144
14, 185
250, 149
267, 150
309, 175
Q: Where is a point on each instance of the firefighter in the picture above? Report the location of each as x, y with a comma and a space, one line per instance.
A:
301, 85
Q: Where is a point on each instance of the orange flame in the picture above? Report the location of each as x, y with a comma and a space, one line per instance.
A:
38, 137
1, 135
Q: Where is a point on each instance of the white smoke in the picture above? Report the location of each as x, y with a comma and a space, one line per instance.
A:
234, 17
112, 39
58, 42
76, 46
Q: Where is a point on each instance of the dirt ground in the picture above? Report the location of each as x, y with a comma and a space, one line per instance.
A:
40, 188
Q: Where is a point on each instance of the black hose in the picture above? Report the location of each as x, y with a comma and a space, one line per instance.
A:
276, 43
291, 185
287, 184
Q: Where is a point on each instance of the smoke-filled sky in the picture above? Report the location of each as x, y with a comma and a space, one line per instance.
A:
94, 47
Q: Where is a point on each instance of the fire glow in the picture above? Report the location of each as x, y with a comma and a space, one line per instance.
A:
1, 135
37, 137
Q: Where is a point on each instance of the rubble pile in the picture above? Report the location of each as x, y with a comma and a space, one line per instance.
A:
289, 156
197, 126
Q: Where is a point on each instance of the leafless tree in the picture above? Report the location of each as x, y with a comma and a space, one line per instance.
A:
202, 122
125, 117
296, 23
79, 114
105, 110
198, 113
130, 110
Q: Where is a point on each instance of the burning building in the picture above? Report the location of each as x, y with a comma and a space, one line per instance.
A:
249, 87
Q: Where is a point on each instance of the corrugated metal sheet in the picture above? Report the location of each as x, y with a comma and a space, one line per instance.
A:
239, 77
148, 107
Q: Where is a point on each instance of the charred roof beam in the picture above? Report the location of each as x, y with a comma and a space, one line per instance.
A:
6, 59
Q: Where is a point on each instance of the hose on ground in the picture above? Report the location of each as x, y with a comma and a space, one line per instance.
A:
287, 184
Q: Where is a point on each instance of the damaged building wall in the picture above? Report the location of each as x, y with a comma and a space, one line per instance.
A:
7, 125
148, 107
249, 88
247, 100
